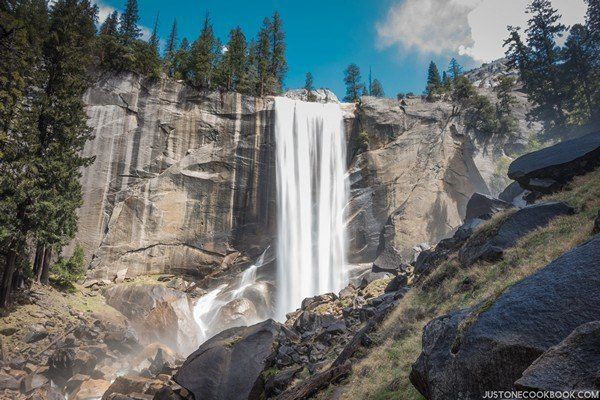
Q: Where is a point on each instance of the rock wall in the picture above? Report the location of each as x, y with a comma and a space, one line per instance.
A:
181, 178
414, 183
184, 178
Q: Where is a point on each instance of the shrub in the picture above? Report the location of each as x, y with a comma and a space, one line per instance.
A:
68, 271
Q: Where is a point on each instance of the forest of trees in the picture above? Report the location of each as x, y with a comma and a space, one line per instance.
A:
49, 55
562, 82
355, 88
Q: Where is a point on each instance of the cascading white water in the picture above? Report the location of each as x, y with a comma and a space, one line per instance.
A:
311, 195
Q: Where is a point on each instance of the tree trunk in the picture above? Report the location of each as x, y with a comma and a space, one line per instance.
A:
7, 278
45, 276
37, 263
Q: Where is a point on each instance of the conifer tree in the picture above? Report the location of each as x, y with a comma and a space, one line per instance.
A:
110, 26
204, 56
252, 69
309, 86
434, 82
354, 85
171, 48
233, 68
263, 59
154, 36
278, 67
454, 69
128, 28
544, 85
377, 89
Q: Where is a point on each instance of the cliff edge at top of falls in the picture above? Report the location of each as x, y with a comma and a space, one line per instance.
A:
184, 181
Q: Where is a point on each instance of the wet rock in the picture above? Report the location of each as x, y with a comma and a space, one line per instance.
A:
547, 170
35, 333
482, 206
229, 366
167, 393
517, 225
369, 277
238, 312
489, 347
46, 393
389, 261
279, 382
570, 365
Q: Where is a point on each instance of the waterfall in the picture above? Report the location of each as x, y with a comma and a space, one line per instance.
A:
311, 195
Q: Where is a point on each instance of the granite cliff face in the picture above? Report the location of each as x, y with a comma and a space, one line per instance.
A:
184, 181
181, 178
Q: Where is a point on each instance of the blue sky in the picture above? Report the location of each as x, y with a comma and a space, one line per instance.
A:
395, 38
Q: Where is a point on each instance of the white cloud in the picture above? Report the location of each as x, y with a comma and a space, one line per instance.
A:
475, 28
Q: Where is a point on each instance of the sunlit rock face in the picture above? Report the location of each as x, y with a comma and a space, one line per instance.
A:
180, 178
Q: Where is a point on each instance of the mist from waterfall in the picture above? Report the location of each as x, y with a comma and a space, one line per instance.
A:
312, 193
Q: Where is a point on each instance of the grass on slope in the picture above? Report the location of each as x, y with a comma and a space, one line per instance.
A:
383, 372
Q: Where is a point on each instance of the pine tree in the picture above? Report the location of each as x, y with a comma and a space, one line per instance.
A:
544, 83
278, 67
454, 69
506, 101
154, 36
233, 68
263, 58
433, 81
204, 56
110, 26
354, 85
128, 28
446, 82
309, 86
579, 76
517, 53
252, 70
170, 50
377, 89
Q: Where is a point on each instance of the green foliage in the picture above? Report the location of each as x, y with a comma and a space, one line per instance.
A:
454, 69
233, 69
110, 26
354, 85
309, 87
434, 82
65, 272
128, 29
204, 57
361, 143
377, 89
562, 82
480, 115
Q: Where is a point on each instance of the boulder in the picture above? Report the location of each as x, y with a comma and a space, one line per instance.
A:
573, 364
9, 382
128, 384
547, 170
91, 389
488, 348
491, 246
33, 381
35, 333
389, 261
511, 193
396, 284
158, 314
237, 312
483, 206
230, 365
370, 276
46, 393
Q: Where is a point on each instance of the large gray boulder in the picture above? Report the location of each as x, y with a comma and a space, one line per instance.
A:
472, 351
511, 230
229, 366
546, 170
573, 364
483, 206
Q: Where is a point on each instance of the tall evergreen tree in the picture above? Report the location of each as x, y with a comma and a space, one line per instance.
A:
110, 26
377, 89
171, 41
454, 69
204, 56
39, 171
278, 67
128, 28
309, 86
263, 59
354, 85
579, 81
544, 83
434, 81
233, 68
154, 40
